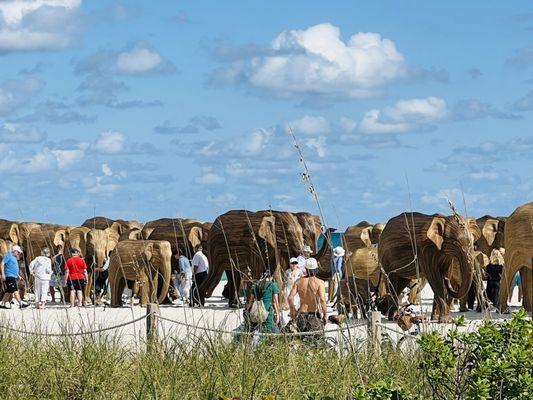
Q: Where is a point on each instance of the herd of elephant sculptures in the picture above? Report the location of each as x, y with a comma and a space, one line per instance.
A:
445, 250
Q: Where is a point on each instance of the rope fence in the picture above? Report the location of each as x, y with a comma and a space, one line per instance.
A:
47, 334
287, 334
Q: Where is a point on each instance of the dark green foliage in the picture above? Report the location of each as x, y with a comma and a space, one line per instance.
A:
493, 362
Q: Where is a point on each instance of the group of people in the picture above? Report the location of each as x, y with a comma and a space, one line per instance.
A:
304, 294
49, 274
190, 274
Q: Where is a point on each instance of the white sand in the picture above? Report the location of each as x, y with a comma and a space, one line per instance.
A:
215, 315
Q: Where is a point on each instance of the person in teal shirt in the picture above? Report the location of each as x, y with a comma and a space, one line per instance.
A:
267, 290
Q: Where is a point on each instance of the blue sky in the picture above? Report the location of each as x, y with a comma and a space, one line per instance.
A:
141, 110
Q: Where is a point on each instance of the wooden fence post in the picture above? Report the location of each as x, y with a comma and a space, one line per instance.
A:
375, 330
152, 312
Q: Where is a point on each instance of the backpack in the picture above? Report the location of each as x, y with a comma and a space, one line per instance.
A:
258, 312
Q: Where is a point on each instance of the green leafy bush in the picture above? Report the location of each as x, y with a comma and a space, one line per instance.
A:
493, 362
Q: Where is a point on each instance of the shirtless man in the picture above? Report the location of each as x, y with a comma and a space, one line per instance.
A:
312, 294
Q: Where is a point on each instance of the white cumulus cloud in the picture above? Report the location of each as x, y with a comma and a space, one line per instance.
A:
209, 178
110, 142
27, 25
309, 125
404, 116
66, 158
138, 61
316, 61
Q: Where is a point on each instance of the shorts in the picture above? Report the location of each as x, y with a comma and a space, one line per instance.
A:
309, 322
76, 284
10, 284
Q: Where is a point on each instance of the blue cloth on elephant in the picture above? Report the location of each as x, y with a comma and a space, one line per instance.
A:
517, 280
265, 290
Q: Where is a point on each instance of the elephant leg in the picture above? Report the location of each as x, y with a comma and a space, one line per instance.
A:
117, 287
441, 309
396, 286
88, 288
233, 289
212, 281
526, 275
506, 281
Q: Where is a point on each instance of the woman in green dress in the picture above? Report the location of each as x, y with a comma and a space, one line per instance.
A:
267, 290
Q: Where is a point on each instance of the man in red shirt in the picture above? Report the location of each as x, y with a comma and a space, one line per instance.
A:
75, 277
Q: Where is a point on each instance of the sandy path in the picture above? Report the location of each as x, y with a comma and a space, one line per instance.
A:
215, 315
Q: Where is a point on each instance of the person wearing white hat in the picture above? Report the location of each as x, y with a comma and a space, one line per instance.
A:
9, 269
291, 276
302, 259
336, 273
312, 293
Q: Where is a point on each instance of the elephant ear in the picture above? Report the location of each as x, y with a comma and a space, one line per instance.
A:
148, 251
195, 236
366, 236
267, 230
435, 231
490, 229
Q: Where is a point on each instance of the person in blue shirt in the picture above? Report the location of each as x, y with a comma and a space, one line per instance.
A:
336, 273
184, 277
9, 269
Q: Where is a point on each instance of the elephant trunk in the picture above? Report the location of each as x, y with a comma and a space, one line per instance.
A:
164, 273
466, 269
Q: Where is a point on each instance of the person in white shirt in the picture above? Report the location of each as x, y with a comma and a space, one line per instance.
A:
41, 269
200, 266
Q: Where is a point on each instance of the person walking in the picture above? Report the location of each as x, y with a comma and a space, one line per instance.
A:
336, 270
75, 277
200, 266
291, 276
312, 315
100, 284
41, 269
267, 291
58, 275
9, 269
184, 276
494, 275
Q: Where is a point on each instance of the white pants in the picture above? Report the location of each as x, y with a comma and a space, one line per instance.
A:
41, 290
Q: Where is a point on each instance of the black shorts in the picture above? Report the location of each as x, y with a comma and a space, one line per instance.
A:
76, 284
10, 284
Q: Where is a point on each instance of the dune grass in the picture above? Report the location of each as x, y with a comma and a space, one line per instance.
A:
90, 368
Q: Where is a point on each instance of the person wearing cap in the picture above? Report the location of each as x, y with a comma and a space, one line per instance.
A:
336, 273
41, 269
302, 259
291, 276
9, 268
75, 277
312, 315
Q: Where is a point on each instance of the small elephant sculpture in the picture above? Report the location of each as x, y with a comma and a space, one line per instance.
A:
146, 262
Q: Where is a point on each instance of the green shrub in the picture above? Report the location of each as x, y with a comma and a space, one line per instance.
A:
493, 362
